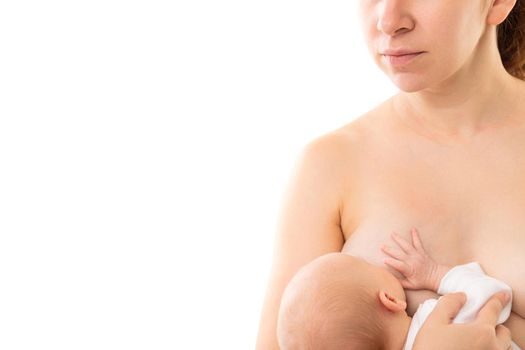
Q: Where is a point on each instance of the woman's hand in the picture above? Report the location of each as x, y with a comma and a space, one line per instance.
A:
410, 259
439, 333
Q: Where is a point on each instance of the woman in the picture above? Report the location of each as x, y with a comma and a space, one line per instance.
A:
445, 155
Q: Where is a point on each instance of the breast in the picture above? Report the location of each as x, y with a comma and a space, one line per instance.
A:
498, 250
463, 212
498, 243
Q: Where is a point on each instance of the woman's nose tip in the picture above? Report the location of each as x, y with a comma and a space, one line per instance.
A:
392, 18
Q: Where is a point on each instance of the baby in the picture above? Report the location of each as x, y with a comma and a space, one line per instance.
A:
342, 302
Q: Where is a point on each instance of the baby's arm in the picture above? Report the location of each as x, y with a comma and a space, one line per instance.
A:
421, 271
412, 261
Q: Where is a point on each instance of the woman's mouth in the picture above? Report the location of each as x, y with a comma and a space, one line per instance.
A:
401, 59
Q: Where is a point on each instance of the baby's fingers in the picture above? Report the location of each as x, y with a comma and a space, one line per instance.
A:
397, 265
416, 240
407, 284
401, 242
394, 253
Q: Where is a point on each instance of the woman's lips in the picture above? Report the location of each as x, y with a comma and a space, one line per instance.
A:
401, 60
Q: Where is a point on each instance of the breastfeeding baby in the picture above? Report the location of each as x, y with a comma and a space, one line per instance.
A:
342, 302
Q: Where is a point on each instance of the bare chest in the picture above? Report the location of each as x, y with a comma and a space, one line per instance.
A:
466, 207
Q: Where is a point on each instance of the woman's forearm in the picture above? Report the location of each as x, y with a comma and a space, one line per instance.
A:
516, 324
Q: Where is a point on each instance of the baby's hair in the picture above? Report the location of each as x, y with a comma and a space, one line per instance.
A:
511, 41
327, 319
365, 321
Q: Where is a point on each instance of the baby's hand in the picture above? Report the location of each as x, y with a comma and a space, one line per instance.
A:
418, 268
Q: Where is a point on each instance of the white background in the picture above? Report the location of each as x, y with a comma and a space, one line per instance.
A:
144, 150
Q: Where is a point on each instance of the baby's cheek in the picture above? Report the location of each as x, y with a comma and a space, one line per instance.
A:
417, 297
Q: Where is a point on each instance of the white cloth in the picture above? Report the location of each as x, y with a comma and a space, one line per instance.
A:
478, 287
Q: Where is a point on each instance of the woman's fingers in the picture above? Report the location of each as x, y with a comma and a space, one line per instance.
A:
438, 329
401, 242
503, 337
490, 312
447, 308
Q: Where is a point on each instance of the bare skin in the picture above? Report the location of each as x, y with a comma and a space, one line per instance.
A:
420, 271
340, 272
445, 155
465, 197
416, 266
438, 332
383, 190
351, 188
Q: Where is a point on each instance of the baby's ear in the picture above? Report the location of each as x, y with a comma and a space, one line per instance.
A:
391, 302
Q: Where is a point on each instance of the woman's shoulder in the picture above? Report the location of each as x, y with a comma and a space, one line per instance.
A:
365, 128
337, 143
342, 149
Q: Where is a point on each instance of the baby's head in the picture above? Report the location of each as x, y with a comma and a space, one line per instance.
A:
338, 302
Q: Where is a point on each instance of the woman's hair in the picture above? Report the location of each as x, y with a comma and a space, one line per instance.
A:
511, 41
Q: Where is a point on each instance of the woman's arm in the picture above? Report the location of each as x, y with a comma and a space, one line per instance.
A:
308, 225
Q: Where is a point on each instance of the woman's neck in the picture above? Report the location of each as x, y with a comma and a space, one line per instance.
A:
481, 95
463, 113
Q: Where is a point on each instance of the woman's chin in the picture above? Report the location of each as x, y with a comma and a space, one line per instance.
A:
408, 84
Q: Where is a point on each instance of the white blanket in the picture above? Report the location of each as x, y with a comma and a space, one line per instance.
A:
471, 280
